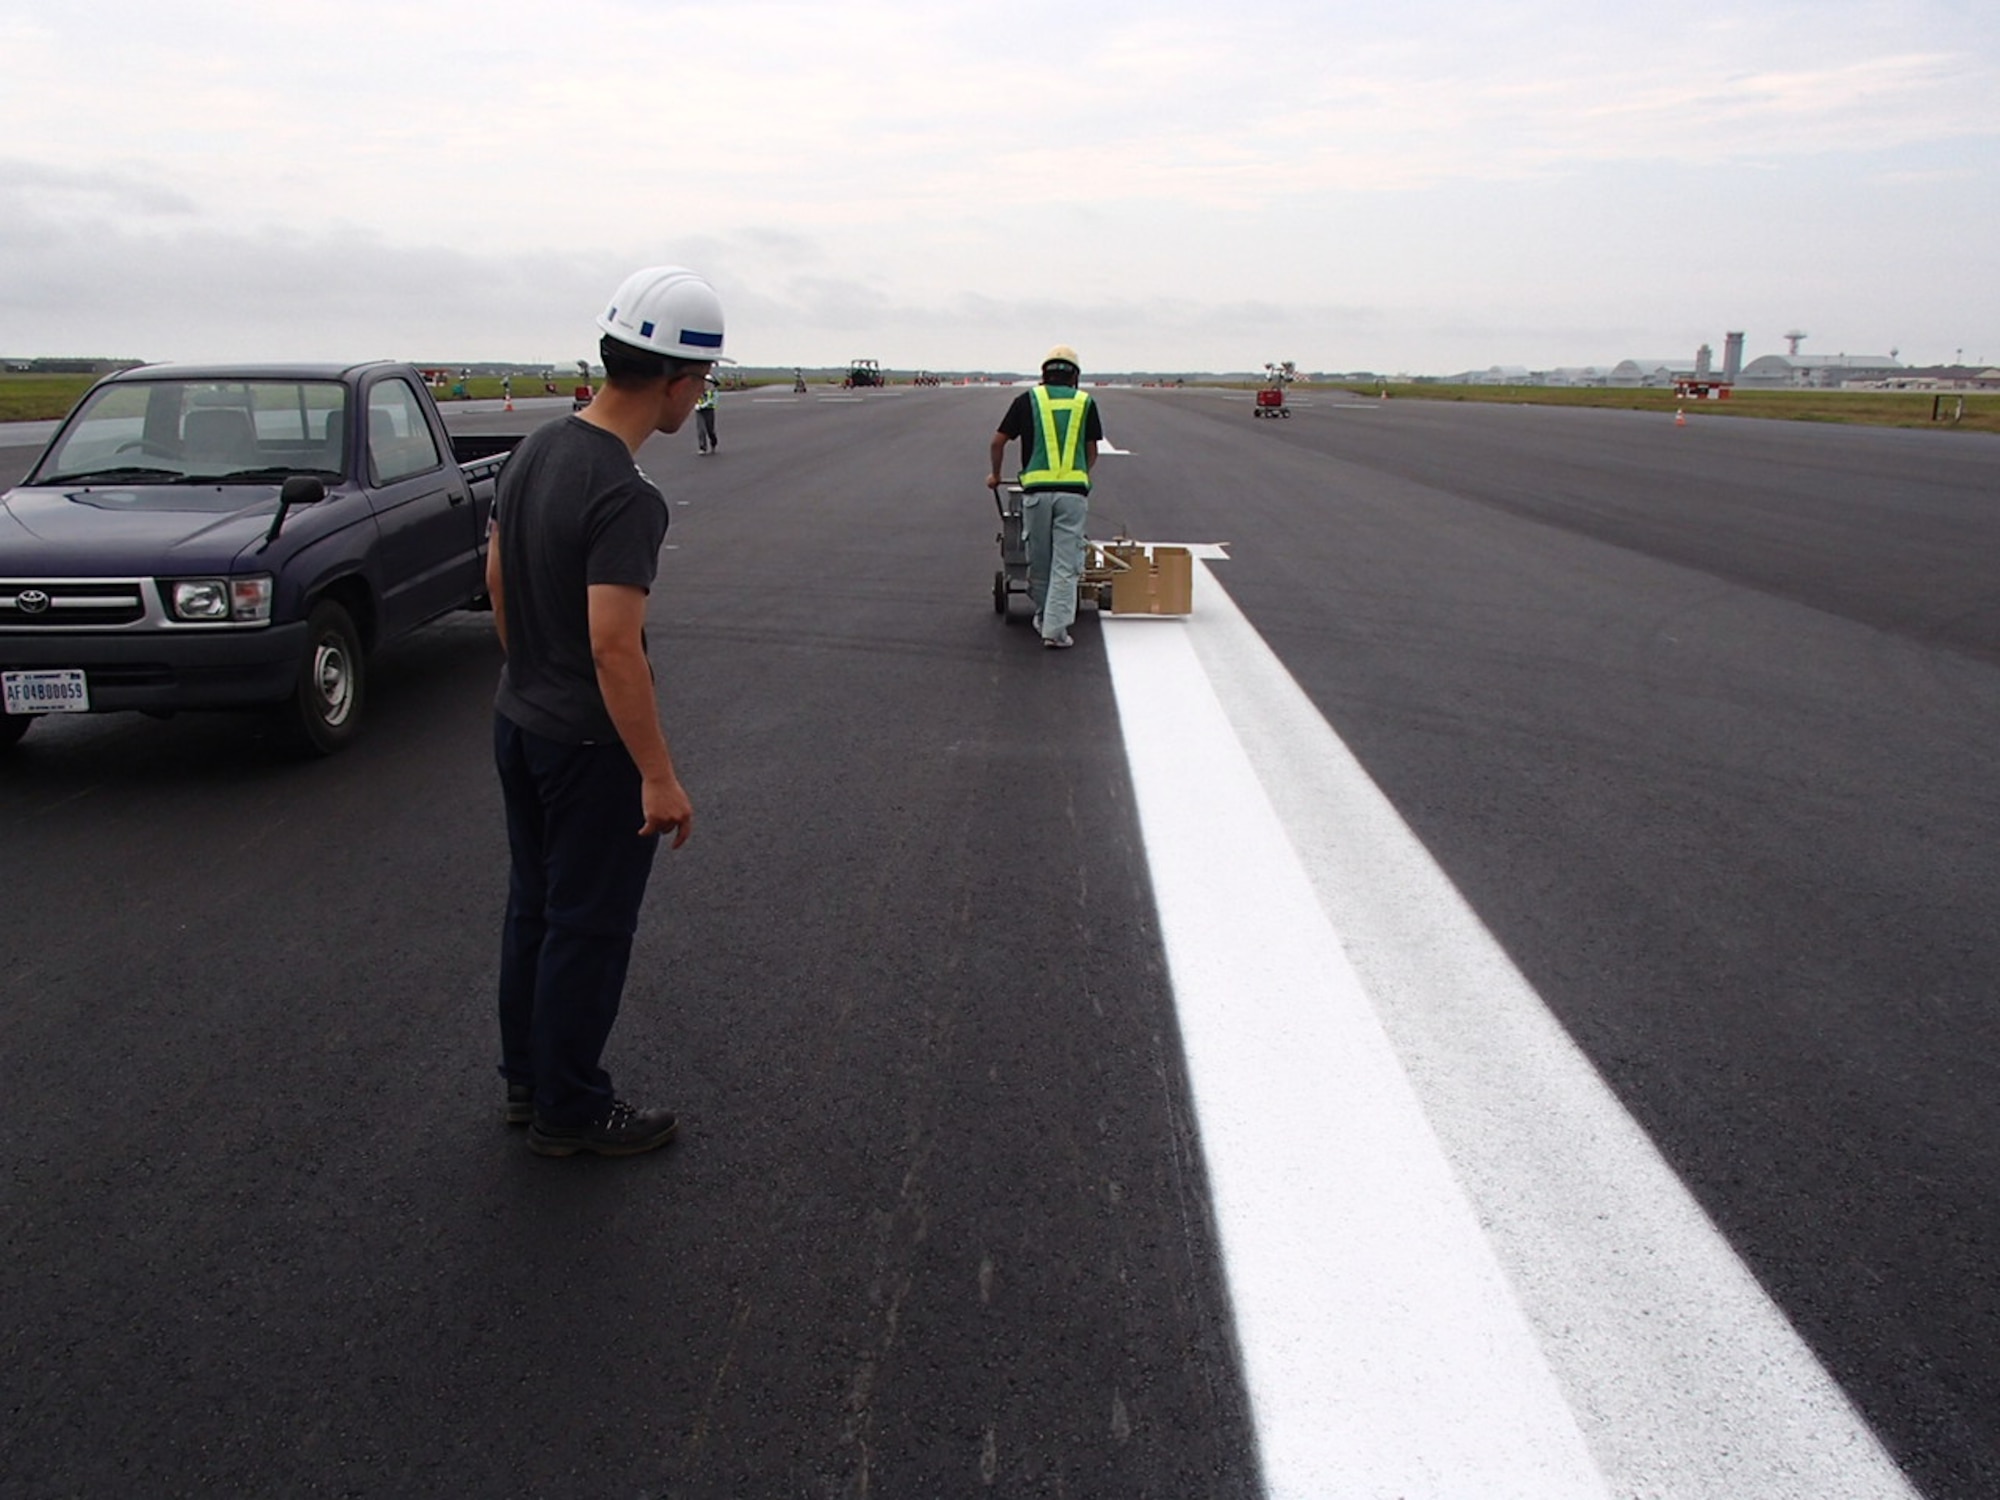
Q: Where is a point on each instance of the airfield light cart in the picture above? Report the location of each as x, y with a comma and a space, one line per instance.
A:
1012, 576
1271, 397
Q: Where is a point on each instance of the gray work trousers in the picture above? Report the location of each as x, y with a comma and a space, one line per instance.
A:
1054, 520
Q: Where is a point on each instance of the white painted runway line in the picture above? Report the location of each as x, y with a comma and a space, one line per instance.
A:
1458, 1268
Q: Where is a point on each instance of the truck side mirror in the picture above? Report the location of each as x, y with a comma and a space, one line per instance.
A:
299, 489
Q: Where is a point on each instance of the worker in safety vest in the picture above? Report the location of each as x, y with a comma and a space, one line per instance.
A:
704, 418
1059, 430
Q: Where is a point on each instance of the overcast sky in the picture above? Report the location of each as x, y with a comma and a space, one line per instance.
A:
1425, 187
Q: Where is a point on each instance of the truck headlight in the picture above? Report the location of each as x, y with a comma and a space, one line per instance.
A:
201, 599
239, 599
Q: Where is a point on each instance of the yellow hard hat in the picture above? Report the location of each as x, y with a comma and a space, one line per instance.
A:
1062, 354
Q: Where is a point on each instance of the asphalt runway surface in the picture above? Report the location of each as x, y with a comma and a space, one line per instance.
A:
1698, 721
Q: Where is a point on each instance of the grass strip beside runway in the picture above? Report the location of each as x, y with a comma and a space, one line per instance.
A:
1861, 408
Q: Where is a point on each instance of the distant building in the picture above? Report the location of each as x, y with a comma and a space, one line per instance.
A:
1697, 374
1574, 375
1929, 378
46, 366
1816, 371
1566, 375
1631, 373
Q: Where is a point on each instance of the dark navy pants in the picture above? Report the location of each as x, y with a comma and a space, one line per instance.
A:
579, 876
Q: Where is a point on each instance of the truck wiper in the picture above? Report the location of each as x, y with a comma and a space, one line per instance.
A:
124, 471
274, 471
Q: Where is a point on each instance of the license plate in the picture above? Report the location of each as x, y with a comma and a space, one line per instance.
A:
63, 691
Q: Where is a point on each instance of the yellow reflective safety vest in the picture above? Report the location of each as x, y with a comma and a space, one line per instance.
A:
1059, 453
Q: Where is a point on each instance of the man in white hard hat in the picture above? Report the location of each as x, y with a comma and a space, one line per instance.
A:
1059, 430
585, 771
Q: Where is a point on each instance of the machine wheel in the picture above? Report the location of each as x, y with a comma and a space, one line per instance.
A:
1000, 592
324, 712
1284, 411
12, 727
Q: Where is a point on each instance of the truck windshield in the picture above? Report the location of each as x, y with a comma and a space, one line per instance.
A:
155, 432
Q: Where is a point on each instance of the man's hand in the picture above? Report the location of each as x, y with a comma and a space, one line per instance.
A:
666, 807
993, 481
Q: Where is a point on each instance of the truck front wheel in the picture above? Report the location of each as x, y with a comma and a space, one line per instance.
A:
324, 714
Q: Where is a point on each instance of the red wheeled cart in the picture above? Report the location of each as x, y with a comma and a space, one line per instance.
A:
1271, 403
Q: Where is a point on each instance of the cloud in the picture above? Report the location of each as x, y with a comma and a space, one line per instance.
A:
452, 176
33, 187
107, 287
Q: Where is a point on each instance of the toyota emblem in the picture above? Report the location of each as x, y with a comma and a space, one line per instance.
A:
31, 601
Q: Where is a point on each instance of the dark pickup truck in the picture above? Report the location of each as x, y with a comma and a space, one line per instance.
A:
211, 537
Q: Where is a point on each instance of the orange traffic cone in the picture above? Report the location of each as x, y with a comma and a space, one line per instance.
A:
1680, 418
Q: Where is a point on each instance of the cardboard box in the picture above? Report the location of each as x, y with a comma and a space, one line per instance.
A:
1152, 580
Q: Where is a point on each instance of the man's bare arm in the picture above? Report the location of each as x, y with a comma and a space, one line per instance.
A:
617, 617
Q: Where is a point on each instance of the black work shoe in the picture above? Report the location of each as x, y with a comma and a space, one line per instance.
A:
520, 1103
624, 1132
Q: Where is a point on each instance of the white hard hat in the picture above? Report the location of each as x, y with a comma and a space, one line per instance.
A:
669, 310
1062, 354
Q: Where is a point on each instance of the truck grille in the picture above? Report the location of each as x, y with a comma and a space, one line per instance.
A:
31, 605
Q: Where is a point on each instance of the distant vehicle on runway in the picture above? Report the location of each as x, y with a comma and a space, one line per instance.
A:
227, 537
863, 372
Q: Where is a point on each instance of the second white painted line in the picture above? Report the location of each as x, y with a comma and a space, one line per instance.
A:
1469, 1277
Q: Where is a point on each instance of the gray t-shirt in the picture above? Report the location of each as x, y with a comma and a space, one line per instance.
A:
573, 509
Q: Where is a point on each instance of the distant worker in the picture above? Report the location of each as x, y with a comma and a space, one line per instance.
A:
507, 387
586, 776
798, 382
1059, 430
704, 417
